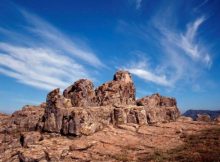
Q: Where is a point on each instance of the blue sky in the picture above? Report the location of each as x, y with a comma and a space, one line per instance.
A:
170, 47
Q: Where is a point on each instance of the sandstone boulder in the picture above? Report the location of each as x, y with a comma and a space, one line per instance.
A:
120, 91
156, 100
32, 154
81, 93
78, 121
23, 120
56, 107
129, 114
30, 138
159, 108
158, 114
83, 111
60, 117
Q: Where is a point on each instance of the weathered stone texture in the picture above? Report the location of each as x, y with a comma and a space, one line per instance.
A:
159, 108
120, 91
81, 93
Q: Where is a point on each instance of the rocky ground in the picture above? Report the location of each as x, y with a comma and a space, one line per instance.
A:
107, 124
174, 141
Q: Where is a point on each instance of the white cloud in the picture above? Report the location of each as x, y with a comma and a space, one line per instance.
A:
190, 44
141, 69
43, 57
182, 57
187, 41
187, 56
149, 76
41, 68
59, 40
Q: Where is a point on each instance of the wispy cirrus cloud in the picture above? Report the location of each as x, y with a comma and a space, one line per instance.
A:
182, 55
149, 76
187, 56
187, 41
191, 46
39, 67
49, 33
42, 56
141, 68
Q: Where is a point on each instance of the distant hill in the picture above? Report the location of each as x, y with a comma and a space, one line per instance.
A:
193, 113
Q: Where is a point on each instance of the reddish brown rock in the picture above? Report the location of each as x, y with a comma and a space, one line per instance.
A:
30, 138
121, 126
118, 98
32, 154
23, 120
158, 114
61, 117
78, 121
156, 100
120, 91
3, 116
159, 108
56, 108
81, 93
149, 101
127, 142
129, 114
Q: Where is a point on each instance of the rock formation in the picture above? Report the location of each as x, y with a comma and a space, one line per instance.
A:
120, 91
159, 108
81, 110
26, 119
126, 129
81, 93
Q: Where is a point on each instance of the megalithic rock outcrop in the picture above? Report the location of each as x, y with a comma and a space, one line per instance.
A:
159, 108
83, 110
81, 93
119, 91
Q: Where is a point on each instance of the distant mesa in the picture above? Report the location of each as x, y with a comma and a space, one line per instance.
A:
194, 114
